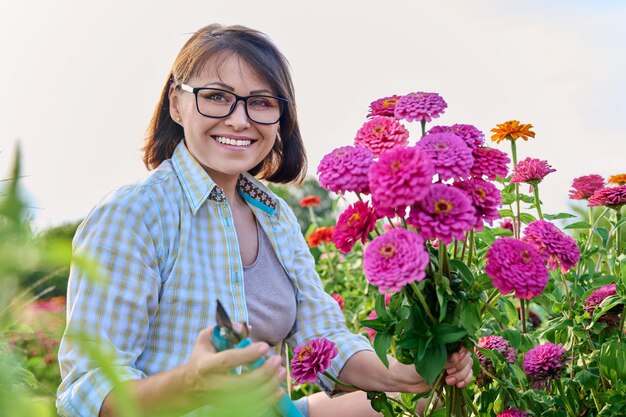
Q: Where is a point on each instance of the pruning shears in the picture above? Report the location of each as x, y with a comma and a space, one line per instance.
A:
225, 337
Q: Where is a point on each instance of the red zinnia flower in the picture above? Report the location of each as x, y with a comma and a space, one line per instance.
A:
310, 201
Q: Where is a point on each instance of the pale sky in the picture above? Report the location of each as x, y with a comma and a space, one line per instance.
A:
81, 79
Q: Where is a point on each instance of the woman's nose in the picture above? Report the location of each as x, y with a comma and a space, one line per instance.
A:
238, 119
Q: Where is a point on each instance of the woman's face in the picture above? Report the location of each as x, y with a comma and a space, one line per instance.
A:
231, 145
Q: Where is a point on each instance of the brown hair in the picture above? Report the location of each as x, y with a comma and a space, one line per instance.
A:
286, 161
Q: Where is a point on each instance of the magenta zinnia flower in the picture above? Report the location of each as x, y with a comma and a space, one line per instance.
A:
611, 317
611, 197
312, 359
472, 137
531, 171
346, 169
584, 187
554, 246
543, 363
383, 106
451, 157
512, 412
399, 178
354, 224
492, 342
337, 297
420, 106
444, 213
489, 162
517, 266
381, 133
486, 199
395, 259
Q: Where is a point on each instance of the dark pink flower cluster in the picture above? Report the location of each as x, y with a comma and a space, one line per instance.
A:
444, 213
492, 343
395, 259
312, 359
451, 157
611, 317
399, 178
555, 247
612, 197
380, 134
486, 199
346, 169
472, 137
490, 162
420, 106
354, 224
339, 299
543, 363
512, 412
517, 266
383, 106
584, 187
531, 171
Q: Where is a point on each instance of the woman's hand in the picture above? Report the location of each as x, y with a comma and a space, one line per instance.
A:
459, 368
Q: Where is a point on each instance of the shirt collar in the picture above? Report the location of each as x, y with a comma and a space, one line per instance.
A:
198, 185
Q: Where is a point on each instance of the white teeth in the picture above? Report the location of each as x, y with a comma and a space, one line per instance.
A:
232, 142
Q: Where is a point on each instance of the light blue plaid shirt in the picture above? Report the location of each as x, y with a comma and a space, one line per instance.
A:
167, 250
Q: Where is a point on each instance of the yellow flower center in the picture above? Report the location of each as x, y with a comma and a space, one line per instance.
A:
481, 194
354, 219
388, 250
443, 206
304, 353
396, 165
378, 130
389, 102
441, 146
526, 258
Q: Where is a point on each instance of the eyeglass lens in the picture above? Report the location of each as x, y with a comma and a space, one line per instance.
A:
218, 103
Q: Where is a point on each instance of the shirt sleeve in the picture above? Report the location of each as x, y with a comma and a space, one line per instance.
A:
112, 296
318, 314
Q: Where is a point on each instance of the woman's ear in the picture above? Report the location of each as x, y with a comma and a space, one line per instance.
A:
174, 104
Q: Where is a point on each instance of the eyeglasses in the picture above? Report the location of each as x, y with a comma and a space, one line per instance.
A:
217, 103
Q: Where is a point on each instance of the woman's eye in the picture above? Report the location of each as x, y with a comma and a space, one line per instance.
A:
262, 102
215, 96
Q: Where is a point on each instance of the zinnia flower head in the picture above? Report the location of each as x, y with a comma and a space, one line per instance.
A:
517, 266
619, 179
444, 213
611, 317
451, 157
312, 359
395, 259
310, 201
611, 197
371, 333
399, 178
512, 130
492, 342
383, 106
345, 169
490, 162
486, 199
555, 247
472, 137
381, 133
354, 224
337, 297
531, 171
584, 187
320, 235
512, 412
543, 363
533, 320
420, 106
507, 223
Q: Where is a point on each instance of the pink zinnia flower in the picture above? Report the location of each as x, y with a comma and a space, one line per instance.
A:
354, 224
531, 171
492, 342
420, 106
395, 259
611, 197
517, 266
486, 199
554, 246
490, 162
380, 134
451, 157
611, 317
584, 187
543, 363
383, 106
312, 359
337, 297
399, 178
472, 137
345, 169
512, 412
445, 213
507, 223
371, 333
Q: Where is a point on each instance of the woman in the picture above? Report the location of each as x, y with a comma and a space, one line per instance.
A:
200, 228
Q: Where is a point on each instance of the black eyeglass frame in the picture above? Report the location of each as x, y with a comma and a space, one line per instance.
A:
282, 102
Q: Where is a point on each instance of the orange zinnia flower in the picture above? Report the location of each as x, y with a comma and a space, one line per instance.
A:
310, 201
619, 179
319, 235
512, 130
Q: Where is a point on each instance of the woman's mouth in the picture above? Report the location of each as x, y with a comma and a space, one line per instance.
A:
233, 142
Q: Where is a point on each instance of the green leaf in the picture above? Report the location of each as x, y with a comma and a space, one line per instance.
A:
509, 310
381, 309
470, 317
382, 343
558, 216
527, 218
376, 324
432, 364
578, 225
466, 273
620, 222
603, 232
506, 213
445, 333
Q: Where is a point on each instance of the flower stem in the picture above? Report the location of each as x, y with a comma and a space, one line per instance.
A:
606, 210
537, 201
340, 382
621, 323
469, 401
433, 392
522, 303
517, 226
419, 295
470, 254
423, 123
559, 387
618, 241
